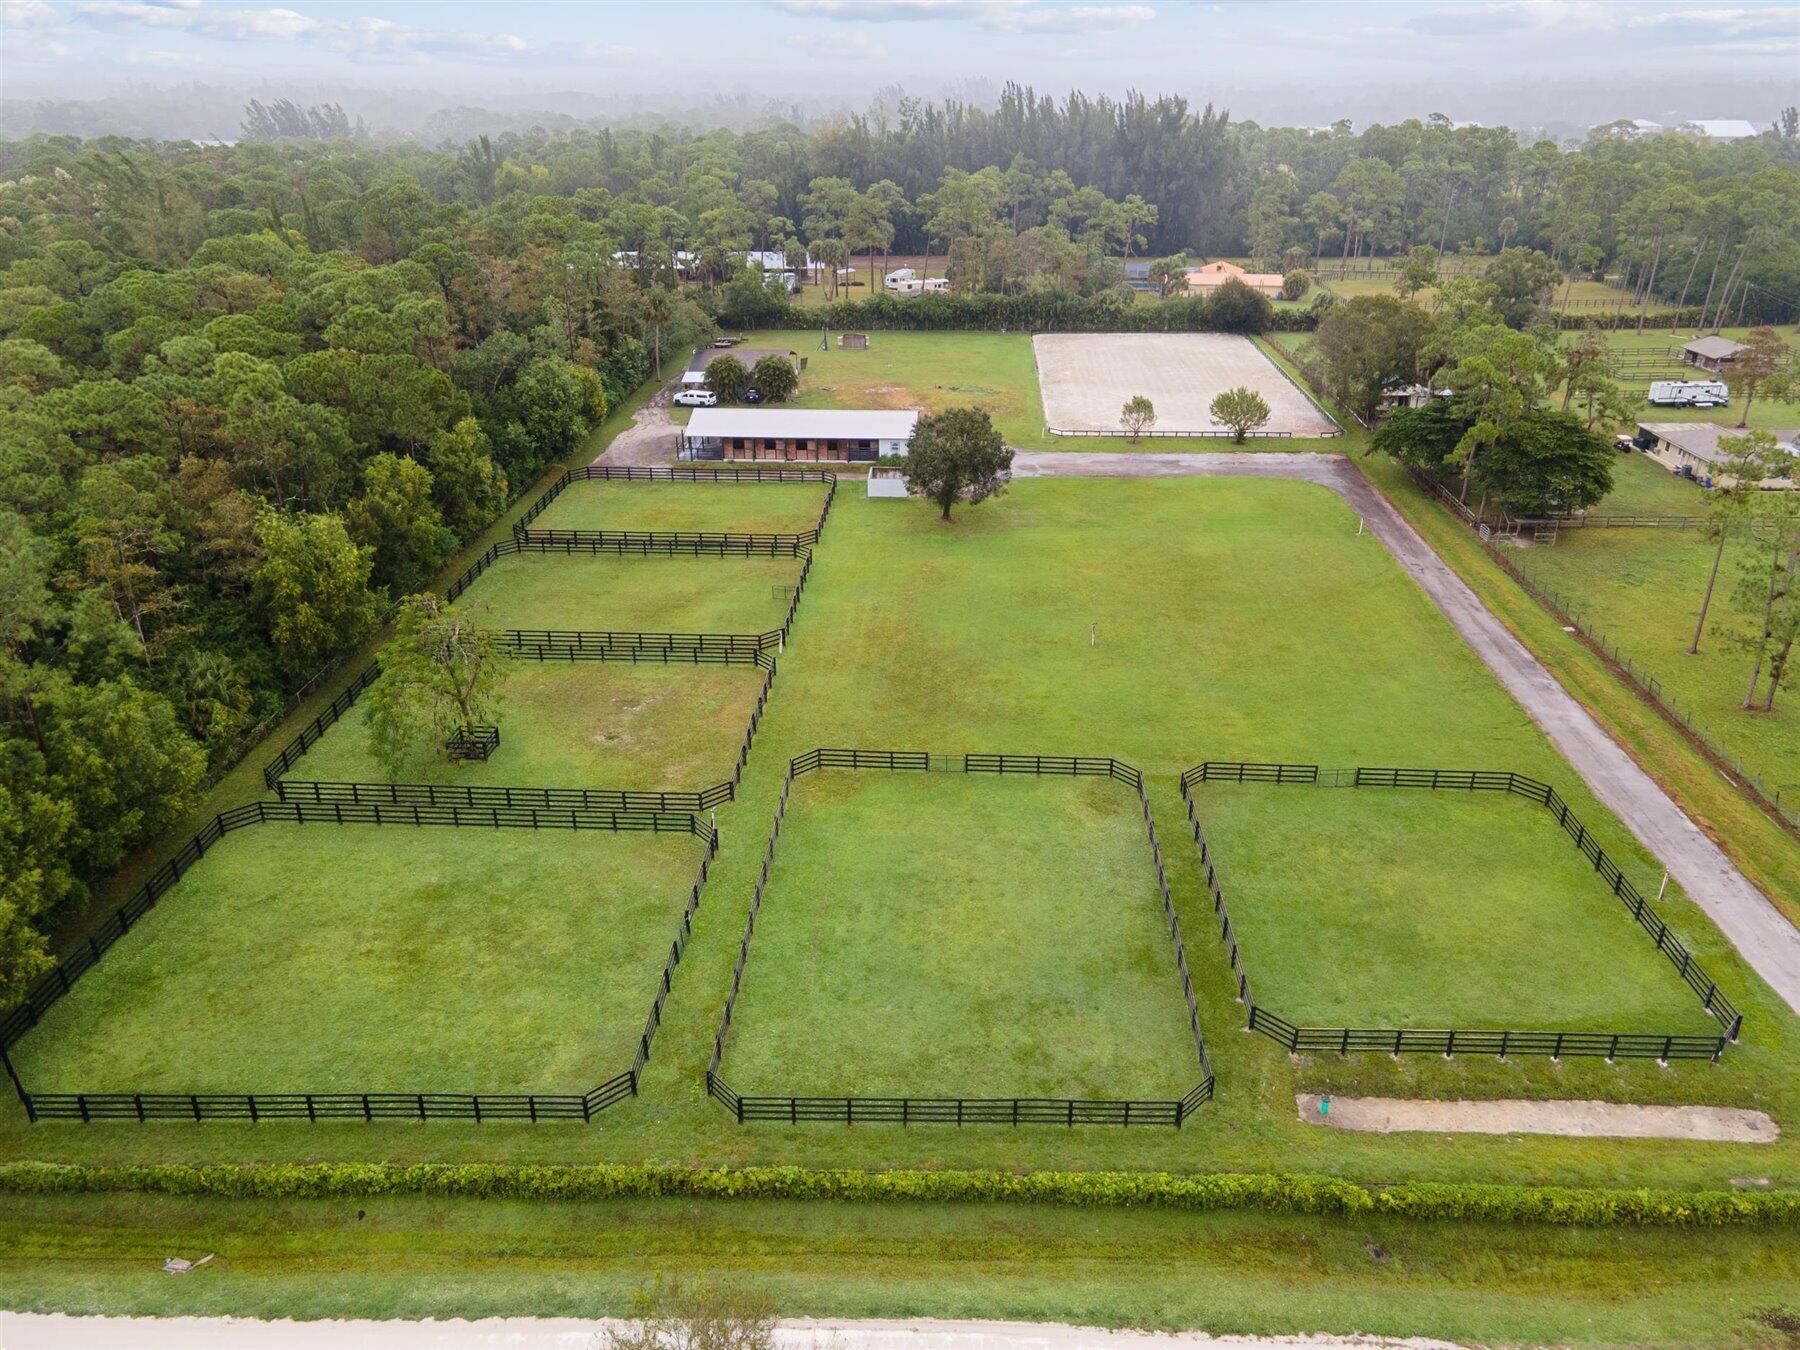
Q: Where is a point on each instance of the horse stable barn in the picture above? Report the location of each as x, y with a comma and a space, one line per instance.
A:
806, 435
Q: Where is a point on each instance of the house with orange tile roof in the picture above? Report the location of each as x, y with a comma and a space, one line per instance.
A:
1207, 279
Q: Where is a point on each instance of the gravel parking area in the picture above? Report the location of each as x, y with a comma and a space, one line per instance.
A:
1087, 377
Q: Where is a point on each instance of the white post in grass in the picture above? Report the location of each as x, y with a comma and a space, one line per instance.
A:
1663, 889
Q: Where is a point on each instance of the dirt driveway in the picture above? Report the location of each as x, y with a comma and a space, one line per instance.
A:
650, 439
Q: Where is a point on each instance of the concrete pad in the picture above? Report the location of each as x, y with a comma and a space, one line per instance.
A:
1577, 1120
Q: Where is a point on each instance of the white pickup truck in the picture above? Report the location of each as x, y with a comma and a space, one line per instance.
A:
1689, 393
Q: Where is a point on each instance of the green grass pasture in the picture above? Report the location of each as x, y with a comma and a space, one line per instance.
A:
1641, 589
1413, 908
970, 935
632, 593
381, 958
577, 724
752, 508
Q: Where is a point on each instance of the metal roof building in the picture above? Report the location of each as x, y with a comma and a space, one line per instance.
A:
840, 435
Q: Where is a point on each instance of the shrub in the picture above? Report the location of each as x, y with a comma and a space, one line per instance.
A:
1295, 1193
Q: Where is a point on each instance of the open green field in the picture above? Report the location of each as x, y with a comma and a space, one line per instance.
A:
935, 371
379, 958
1487, 1284
576, 724
1161, 621
953, 934
1642, 487
1641, 589
604, 592
753, 508
1412, 908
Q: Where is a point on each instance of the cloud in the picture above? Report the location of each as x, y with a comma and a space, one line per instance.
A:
26, 14
1575, 17
366, 35
999, 16
856, 44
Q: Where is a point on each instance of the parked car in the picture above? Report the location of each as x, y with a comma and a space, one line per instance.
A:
697, 398
753, 395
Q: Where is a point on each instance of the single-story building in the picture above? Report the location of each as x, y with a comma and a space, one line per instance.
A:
899, 274
1691, 449
1137, 276
1721, 128
809, 435
1411, 396
922, 286
1711, 353
1205, 280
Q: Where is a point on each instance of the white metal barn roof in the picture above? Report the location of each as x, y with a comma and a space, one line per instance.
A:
872, 424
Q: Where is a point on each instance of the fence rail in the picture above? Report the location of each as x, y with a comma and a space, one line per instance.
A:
796, 1109
724, 543
550, 644
1397, 1040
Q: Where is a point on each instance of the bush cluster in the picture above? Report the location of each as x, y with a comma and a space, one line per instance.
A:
1293, 1193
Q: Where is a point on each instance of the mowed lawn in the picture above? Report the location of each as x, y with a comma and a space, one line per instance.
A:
576, 724
746, 508
935, 371
1412, 908
1164, 621
1641, 590
378, 958
948, 934
603, 592
1642, 487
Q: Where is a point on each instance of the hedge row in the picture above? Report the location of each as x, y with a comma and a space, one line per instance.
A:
1283, 1194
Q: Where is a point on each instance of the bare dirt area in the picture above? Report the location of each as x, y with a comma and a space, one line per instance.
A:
1086, 379
1577, 1120
651, 439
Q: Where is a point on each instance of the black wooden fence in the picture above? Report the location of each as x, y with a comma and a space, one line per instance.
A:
723, 543
367, 1106
1606, 1044
952, 1110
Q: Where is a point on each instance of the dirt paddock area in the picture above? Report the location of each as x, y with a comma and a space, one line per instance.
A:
1087, 377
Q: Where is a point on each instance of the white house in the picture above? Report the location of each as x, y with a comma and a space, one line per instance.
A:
894, 278
1721, 128
808, 435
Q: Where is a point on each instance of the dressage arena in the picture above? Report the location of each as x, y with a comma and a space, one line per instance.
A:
1087, 377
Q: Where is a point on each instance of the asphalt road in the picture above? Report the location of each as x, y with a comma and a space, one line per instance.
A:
1755, 927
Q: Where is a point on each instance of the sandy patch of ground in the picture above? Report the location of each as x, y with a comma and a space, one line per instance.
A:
1087, 377
1581, 1120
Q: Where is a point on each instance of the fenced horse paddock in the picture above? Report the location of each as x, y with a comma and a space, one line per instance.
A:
1405, 910
1087, 378
286, 965
682, 504
980, 939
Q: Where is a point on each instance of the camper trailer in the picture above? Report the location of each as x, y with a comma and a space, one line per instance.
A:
1689, 393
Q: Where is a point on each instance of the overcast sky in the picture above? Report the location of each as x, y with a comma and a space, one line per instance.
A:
1300, 60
